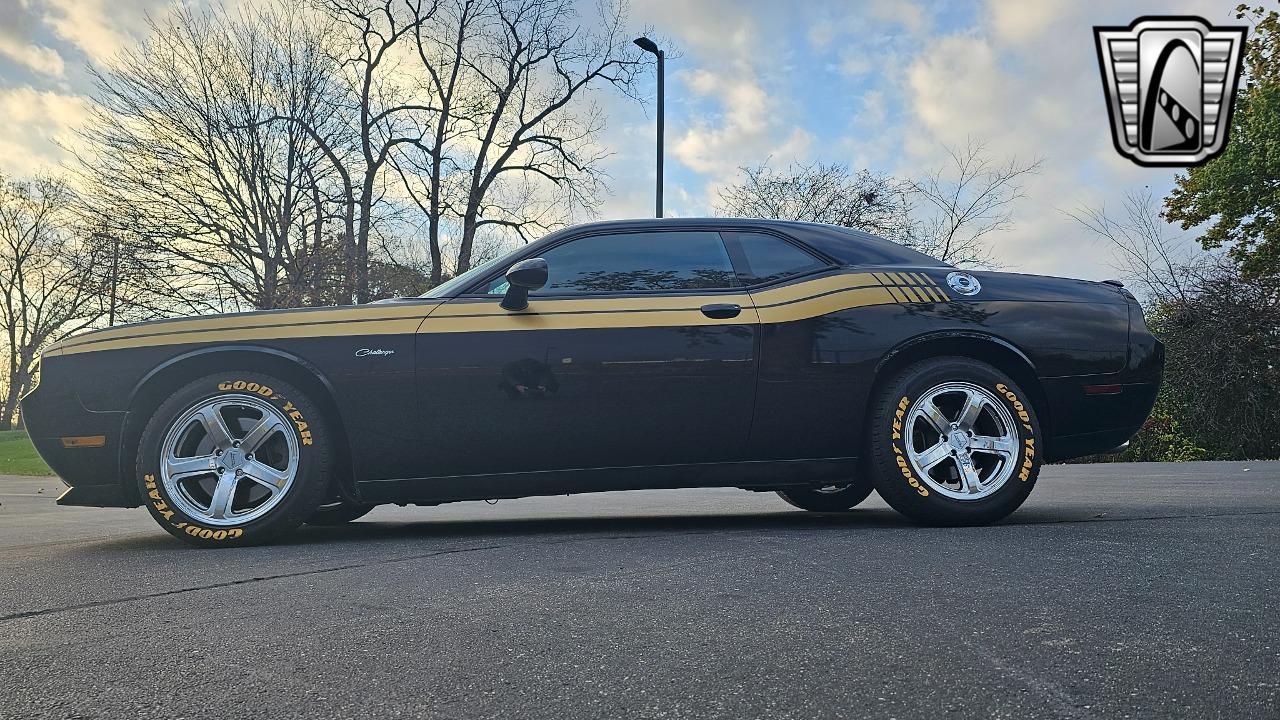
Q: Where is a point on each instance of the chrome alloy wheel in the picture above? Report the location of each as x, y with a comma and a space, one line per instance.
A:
962, 441
229, 460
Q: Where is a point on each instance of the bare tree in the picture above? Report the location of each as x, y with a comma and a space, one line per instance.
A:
179, 159
513, 143
821, 193
965, 202
1159, 262
50, 279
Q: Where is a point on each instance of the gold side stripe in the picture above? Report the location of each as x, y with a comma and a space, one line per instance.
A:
269, 322
835, 302
590, 305
382, 327
818, 286
570, 321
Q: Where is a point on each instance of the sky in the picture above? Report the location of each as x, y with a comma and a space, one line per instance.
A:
874, 84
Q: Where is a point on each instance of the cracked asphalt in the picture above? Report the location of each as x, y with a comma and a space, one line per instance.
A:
1118, 591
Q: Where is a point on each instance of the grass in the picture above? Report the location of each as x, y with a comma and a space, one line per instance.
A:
18, 456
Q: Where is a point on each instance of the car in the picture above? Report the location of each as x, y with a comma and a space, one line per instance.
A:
818, 362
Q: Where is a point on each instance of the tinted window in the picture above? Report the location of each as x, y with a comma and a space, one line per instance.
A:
766, 258
635, 261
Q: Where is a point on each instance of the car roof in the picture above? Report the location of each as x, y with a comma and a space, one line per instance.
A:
844, 244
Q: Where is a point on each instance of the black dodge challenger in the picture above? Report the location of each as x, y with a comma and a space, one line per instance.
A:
815, 361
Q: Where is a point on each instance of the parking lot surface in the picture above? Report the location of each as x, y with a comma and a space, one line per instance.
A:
1118, 591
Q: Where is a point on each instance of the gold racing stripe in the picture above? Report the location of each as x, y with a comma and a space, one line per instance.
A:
263, 326
787, 303
911, 287
825, 304
297, 330
505, 321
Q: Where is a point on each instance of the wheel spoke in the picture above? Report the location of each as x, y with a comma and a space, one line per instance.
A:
179, 468
934, 455
260, 432
935, 416
224, 493
211, 418
266, 475
1002, 446
969, 475
973, 405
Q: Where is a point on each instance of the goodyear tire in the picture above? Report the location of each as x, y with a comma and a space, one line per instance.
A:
954, 441
829, 498
234, 458
338, 513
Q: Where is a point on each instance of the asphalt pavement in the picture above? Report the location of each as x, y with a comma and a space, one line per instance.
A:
1117, 591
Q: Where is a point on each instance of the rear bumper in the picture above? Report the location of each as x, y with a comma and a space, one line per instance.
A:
1093, 414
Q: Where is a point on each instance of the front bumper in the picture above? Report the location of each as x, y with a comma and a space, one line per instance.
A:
52, 412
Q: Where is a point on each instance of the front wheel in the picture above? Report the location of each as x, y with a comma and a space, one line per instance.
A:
954, 441
235, 458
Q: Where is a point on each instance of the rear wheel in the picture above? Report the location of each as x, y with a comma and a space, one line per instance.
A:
954, 442
829, 498
233, 459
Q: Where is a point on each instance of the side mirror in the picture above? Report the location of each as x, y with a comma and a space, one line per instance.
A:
522, 277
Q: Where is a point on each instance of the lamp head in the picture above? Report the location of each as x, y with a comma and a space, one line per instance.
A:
647, 45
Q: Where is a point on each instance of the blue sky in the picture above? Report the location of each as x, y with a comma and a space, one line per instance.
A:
868, 83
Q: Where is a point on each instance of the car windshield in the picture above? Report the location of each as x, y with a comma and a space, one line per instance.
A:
445, 289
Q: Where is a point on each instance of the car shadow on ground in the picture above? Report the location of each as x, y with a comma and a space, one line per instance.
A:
375, 531
597, 525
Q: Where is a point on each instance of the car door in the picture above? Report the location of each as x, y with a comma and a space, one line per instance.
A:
639, 351
810, 368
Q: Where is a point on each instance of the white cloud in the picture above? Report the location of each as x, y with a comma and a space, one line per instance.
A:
37, 122
732, 89
43, 60
909, 15
99, 28
1019, 22
744, 132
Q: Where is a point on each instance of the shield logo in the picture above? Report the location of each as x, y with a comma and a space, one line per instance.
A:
1170, 84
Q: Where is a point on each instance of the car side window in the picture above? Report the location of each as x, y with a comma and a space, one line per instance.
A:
765, 258
638, 261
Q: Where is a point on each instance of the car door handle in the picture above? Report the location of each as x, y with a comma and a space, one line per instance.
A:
721, 311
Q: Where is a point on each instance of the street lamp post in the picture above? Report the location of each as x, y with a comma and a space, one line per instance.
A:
651, 47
